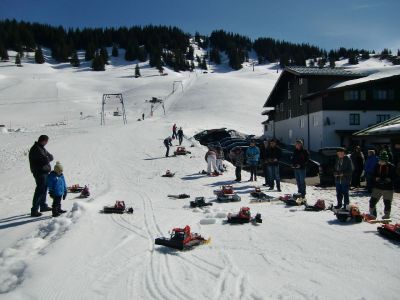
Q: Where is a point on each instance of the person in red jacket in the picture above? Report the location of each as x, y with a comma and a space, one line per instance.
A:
174, 133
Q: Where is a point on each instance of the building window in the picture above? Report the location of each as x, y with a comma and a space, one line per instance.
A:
300, 81
289, 94
383, 94
315, 121
301, 123
354, 119
351, 95
290, 113
282, 106
363, 95
382, 118
301, 100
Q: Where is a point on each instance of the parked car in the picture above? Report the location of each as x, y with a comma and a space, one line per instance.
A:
232, 141
209, 136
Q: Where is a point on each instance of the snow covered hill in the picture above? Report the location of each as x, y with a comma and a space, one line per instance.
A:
87, 255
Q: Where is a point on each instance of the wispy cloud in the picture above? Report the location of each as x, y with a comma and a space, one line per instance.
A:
364, 5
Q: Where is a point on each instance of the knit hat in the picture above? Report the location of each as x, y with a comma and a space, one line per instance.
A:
384, 156
58, 168
299, 142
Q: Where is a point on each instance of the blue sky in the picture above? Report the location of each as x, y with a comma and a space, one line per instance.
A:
327, 23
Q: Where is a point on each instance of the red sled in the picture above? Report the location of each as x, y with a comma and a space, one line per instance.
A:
75, 188
181, 151
243, 216
118, 208
391, 231
182, 238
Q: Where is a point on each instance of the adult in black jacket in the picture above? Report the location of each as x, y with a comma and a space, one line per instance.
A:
39, 161
343, 171
357, 157
384, 176
167, 144
274, 154
300, 158
180, 135
263, 158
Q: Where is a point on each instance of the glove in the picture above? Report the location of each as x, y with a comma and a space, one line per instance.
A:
65, 195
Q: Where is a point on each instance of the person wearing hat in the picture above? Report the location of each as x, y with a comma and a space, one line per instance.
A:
237, 158
342, 172
383, 185
252, 159
39, 162
57, 188
300, 158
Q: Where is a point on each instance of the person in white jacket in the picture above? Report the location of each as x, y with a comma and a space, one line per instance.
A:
211, 159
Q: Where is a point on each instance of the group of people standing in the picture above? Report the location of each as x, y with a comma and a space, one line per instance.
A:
380, 175
268, 156
46, 180
176, 134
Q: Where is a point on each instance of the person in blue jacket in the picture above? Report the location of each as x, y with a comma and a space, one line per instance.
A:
57, 188
252, 158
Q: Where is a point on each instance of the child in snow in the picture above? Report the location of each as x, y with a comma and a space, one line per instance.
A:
211, 159
57, 188
252, 158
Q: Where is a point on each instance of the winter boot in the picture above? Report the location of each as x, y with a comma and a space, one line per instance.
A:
278, 186
44, 209
372, 211
35, 214
386, 214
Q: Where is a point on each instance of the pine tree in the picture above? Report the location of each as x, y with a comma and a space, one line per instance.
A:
137, 71
311, 63
90, 52
98, 63
115, 51
203, 64
104, 55
3, 53
74, 59
215, 57
142, 54
190, 53
398, 52
130, 53
321, 62
39, 58
18, 60
332, 63
353, 58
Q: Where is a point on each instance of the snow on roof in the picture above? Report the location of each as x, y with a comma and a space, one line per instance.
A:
385, 73
387, 127
323, 71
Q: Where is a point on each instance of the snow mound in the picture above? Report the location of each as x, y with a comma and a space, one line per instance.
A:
14, 261
208, 221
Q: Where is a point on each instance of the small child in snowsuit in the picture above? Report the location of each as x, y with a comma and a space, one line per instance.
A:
57, 188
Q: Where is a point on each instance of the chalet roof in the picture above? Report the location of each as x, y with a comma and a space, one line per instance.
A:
311, 71
380, 75
316, 71
389, 127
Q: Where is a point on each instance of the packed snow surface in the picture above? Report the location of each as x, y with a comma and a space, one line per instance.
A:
84, 254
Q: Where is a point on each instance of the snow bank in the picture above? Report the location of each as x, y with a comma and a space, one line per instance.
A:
14, 261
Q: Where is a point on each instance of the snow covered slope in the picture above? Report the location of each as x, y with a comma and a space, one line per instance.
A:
87, 255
